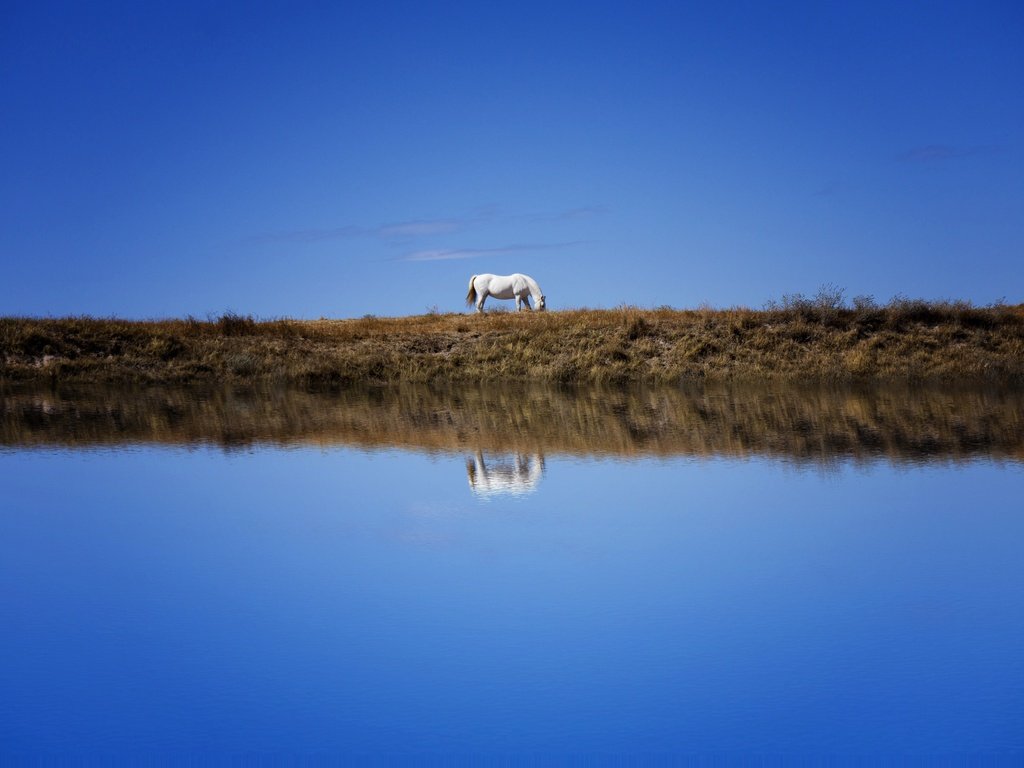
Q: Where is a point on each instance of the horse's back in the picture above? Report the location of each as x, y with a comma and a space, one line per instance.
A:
482, 281
503, 286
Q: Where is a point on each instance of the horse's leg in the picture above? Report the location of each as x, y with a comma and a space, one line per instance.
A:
480, 303
519, 303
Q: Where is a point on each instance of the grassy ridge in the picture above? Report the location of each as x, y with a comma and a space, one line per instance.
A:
801, 339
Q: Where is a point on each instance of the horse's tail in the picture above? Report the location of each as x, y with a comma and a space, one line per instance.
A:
471, 296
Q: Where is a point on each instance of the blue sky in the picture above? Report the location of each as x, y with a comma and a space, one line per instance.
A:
340, 159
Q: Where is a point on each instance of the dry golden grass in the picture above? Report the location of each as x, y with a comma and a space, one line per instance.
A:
897, 421
802, 339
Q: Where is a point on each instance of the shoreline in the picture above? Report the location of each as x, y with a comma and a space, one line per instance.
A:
903, 341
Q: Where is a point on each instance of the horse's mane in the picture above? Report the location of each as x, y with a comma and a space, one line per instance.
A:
534, 286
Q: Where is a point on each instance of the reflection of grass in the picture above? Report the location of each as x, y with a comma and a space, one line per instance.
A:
898, 421
820, 338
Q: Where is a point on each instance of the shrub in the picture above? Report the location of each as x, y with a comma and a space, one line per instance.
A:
232, 324
865, 303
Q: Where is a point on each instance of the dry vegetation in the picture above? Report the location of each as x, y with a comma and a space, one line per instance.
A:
820, 338
819, 423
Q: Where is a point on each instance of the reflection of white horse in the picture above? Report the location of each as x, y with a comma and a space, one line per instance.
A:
514, 474
517, 286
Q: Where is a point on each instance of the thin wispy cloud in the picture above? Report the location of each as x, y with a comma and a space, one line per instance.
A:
421, 228
398, 231
449, 254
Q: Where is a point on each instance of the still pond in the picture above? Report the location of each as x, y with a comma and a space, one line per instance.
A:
495, 571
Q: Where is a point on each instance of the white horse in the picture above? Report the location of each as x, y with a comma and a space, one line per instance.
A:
518, 287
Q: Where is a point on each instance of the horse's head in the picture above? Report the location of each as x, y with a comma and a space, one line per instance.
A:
541, 303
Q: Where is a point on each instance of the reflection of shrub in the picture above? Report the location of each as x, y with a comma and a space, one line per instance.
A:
818, 423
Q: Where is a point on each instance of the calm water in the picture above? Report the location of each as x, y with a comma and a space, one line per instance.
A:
493, 572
